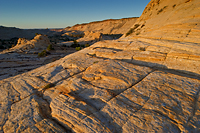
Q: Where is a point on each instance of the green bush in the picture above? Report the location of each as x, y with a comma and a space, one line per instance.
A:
50, 47
78, 48
49, 85
82, 46
132, 29
42, 54
75, 44
87, 45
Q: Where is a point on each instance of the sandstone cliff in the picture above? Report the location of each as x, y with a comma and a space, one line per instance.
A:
111, 26
135, 84
172, 20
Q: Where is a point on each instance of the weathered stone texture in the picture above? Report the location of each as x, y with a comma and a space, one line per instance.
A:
132, 84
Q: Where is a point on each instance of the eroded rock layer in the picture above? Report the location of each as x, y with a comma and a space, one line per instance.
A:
133, 84
112, 86
172, 20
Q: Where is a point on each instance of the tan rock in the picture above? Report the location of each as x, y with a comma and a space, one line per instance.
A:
170, 20
132, 84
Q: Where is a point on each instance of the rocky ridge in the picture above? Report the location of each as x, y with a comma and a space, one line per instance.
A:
106, 88
12, 32
110, 26
133, 84
171, 20
24, 56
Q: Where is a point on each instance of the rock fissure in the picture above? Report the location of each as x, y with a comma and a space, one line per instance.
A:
114, 96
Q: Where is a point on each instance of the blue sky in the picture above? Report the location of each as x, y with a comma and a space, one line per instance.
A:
63, 13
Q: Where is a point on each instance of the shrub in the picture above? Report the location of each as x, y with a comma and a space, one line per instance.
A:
78, 48
142, 49
42, 54
174, 6
83, 46
95, 62
49, 85
132, 29
161, 10
75, 44
138, 33
87, 45
50, 47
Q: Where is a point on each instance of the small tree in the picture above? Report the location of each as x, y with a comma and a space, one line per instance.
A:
42, 54
75, 44
87, 45
50, 47
78, 48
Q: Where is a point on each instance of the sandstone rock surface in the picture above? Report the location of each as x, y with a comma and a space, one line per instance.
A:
24, 56
107, 87
110, 26
172, 20
133, 84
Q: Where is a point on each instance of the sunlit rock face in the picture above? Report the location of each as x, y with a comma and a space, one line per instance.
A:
38, 42
172, 20
110, 26
133, 84
24, 56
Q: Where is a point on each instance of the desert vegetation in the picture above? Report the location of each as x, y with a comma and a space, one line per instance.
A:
50, 47
43, 53
159, 11
8, 43
132, 29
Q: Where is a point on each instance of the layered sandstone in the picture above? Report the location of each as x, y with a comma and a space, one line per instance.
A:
172, 20
110, 26
133, 84
112, 86
24, 56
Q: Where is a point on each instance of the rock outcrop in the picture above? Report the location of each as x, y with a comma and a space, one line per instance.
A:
110, 26
24, 56
112, 86
172, 20
39, 42
133, 84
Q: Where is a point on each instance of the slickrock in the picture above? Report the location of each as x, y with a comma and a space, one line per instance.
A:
110, 26
172, 20
24, 56
91, 91
133, 84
